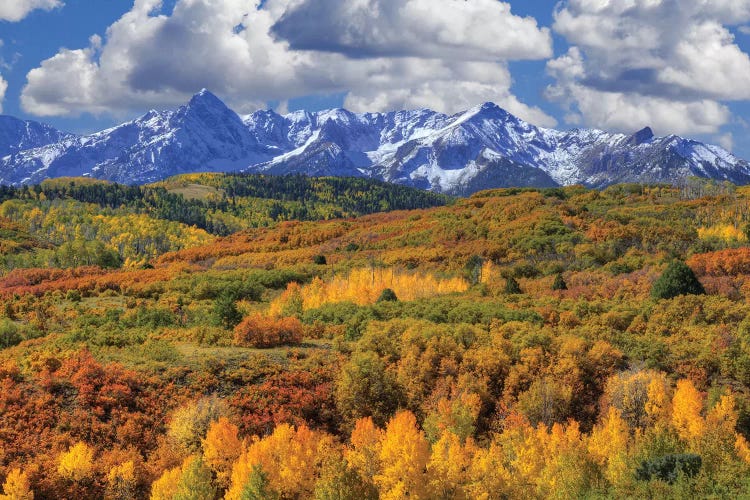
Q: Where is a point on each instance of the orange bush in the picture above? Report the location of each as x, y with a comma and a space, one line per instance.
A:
728, 262
260, 331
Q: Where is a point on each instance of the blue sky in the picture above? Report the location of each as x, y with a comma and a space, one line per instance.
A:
680, 67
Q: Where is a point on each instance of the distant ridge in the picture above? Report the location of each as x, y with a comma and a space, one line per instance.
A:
483, 147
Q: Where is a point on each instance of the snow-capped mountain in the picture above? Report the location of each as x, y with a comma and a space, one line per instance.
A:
481, 148
17, 135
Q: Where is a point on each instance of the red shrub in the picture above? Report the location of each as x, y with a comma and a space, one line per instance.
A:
260, 331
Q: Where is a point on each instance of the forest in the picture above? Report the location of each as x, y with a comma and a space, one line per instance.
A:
250, 337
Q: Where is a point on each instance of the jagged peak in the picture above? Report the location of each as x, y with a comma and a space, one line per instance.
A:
206, 98
488, 110
642, 136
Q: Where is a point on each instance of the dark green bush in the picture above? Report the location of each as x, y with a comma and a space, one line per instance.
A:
677, 279
320, 260
388, 295
559, 283
511, 286
669, 467
225, 311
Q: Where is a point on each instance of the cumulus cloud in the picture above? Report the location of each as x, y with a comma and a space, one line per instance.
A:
452, 88
231, 47
726, 141
15, 10
659, 62
476, 30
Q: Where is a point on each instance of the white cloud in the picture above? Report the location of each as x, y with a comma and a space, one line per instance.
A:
480, 30
669, 63
452, 88
726, 141
148, 59
3, 88
15, 10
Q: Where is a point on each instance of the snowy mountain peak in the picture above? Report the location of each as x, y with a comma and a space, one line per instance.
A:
487, 111
642, 136
205, 98
483, 147
18, 135
205, 103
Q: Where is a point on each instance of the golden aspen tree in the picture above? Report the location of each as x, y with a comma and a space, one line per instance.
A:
742, 448
77, 463
658, 406
719, 444
165, 487
608, 445
221, 448
404, 456
190, 423
449, 465
290, 457
488, 476
525, 448
687, 404
567, 469
17, 486
121, 482
364, 453
190, 481
628, 392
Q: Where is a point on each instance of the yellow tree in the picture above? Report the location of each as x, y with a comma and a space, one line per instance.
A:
364, 454
191, 422
192, 480
658, 407
629, 393
608, 445
221, 448
122, 482
166, 486
290, 458
488, 476
721, 443
567, 471
449, 465
404, 456
17, 487
687, 405
77, 463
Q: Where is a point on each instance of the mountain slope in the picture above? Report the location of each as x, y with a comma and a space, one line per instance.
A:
203, 135
17, 135
484, 147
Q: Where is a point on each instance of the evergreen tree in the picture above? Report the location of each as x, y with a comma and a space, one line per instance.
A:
677, 279
320, 260
511, 286
388, 295
559, 283
225, 311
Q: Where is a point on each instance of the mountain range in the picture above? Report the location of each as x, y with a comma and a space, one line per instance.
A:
483, 147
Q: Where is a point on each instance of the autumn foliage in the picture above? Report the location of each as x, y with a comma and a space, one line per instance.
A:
431, 356
260, 331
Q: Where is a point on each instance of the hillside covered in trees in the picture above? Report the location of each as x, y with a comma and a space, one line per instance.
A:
260, 338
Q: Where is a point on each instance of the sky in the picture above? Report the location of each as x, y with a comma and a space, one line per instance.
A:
678, 66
